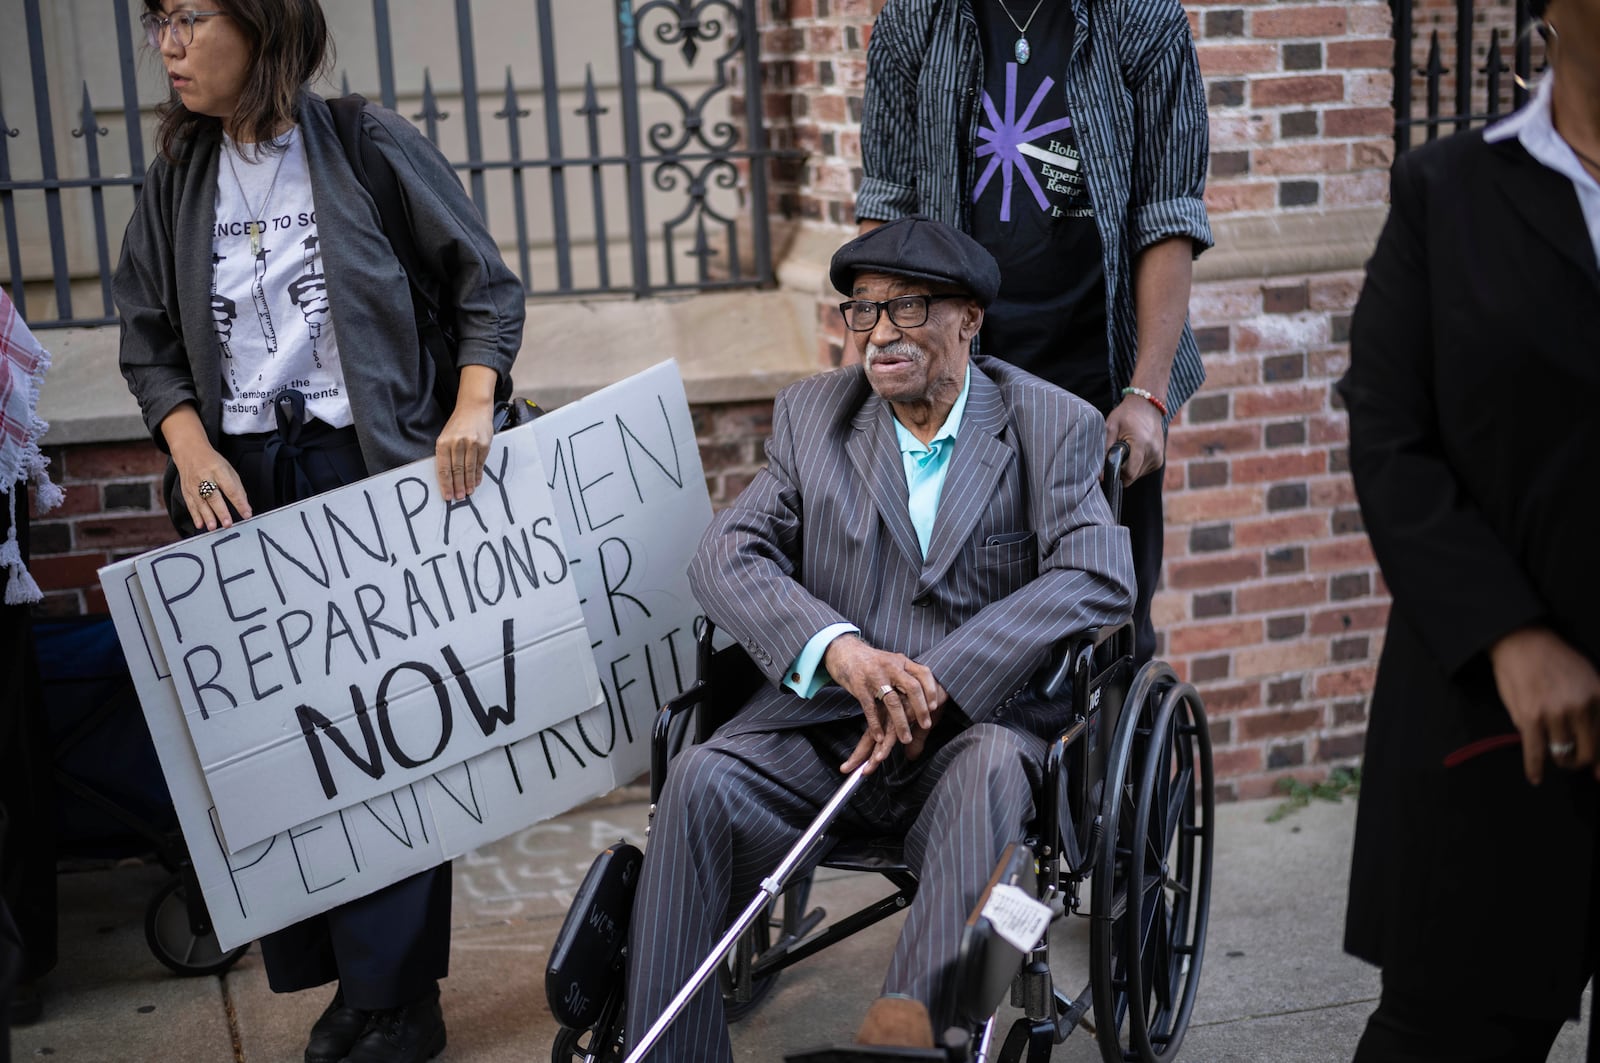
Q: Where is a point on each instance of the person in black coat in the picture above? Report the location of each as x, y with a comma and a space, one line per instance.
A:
1475, 349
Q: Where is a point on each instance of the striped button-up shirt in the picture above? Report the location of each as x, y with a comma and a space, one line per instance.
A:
1137, 103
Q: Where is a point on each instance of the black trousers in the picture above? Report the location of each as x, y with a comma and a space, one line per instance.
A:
392, 946
27, 788
27, 806
1407, 1028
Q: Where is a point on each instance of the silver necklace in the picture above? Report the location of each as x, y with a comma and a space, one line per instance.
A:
1022, 51
257, 223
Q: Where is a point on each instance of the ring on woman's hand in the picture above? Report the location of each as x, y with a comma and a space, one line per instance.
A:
207, 489
1563, 749
883, 692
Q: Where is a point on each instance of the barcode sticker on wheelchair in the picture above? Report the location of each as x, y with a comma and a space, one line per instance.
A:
1016, 916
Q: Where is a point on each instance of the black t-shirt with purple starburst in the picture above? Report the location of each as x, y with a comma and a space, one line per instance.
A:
1031, 206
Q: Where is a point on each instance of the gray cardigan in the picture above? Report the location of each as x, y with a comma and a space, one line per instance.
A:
163, 285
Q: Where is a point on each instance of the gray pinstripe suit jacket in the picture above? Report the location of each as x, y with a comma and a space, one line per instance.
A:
1024, 550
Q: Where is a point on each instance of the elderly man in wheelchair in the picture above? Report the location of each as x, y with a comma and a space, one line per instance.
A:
925, 574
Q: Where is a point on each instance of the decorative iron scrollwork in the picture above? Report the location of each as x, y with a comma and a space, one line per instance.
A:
690, 25
714, 173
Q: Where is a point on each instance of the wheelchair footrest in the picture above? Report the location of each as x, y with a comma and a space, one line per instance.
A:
810, 922
865, 1054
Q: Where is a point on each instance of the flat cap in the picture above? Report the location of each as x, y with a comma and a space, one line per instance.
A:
921, 247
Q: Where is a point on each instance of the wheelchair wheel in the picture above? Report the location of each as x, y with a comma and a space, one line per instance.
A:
756, 941
578, 1046
171, 934
1152, 886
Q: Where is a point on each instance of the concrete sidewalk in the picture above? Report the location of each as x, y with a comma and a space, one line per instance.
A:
1276, 986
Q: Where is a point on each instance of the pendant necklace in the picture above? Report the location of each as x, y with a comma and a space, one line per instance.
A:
1022, 51
257, 225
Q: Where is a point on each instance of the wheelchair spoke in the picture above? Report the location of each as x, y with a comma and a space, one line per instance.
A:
1151, 911
1175, 810
1162, 960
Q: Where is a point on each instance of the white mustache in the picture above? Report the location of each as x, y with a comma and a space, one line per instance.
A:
898, 349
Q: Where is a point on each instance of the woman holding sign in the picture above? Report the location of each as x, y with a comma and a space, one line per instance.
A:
270, 338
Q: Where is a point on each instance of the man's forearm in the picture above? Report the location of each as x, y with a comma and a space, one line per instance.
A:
1162, 276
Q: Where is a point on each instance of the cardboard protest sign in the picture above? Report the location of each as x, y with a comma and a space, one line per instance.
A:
289, 876
631, 501
332, 650
626, 487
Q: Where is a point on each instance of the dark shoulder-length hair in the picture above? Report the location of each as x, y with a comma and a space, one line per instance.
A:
290, 47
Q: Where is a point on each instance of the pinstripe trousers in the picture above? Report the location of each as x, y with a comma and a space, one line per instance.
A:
734, 805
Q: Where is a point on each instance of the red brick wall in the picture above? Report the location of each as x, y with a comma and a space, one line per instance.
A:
112, 510
1300, 98
814, 58
1272, 604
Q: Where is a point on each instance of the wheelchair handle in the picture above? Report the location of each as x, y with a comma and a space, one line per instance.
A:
771, 886
1116, 458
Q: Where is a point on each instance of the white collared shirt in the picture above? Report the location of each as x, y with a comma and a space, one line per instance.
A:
1533, 127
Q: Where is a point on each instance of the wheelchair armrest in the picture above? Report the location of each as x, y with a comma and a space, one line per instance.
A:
1054, 677
724, 680
1072, 666
1051, 680
698, 693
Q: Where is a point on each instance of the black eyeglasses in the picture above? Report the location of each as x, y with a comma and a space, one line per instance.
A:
180, 24
906, 311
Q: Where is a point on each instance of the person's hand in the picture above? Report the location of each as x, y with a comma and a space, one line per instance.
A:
462, 448
898, 697
198, 463
1136, 420
919, 735
1553, 695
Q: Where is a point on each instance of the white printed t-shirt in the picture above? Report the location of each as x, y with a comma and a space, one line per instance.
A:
270, 308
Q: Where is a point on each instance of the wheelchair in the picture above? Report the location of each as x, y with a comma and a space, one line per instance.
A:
1123, 838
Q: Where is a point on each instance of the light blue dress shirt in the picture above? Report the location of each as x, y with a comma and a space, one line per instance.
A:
926, 465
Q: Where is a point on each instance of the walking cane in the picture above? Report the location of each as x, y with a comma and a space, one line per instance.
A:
770, 888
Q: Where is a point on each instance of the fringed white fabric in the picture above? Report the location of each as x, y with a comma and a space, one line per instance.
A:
23, 365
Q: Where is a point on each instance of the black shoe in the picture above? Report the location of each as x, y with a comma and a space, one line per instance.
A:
336, 1032
409, 1034
26, 1004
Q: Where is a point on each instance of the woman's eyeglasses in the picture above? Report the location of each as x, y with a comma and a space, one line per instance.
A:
180, 24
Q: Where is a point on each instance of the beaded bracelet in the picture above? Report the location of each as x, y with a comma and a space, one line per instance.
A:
1146, 396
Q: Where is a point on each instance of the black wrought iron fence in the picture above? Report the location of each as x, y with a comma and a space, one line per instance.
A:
1441, 89
668, 192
